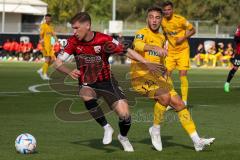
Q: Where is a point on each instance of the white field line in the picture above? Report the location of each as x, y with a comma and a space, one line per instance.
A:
35, 88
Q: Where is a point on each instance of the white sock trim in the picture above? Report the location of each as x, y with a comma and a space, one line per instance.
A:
106, 126
195, 138
156, 126
122, 137
185, 102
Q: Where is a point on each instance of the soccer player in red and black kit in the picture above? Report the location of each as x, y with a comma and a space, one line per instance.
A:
91, 51
235, 60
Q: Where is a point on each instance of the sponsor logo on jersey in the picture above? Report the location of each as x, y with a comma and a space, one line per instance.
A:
79, 48
139, 36
97, 49
153, 53
89, 59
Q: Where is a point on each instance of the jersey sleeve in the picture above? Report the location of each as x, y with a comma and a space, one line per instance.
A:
139, 41
186, 24
113, 46
70, 47
68, 50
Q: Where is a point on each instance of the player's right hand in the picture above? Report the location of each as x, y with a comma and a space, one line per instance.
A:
162, 52
75, 74
156, 69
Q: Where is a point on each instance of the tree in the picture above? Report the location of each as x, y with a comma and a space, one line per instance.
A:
218, 11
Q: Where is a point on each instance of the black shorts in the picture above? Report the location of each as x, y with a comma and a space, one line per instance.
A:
109, 90
235, 60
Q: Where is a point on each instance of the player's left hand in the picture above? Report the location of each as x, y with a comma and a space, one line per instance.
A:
180, 40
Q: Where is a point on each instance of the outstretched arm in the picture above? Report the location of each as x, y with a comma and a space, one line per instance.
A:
135, 56
59, 65
152, 67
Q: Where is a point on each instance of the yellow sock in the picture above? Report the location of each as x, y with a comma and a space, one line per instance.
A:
45, 68
159, 111
186, 121
184, 87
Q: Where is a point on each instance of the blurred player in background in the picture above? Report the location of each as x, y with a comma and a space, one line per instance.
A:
227, 55
149, 43
211, 54
47, 39
177, 31
200, 54
235, 61
218, 54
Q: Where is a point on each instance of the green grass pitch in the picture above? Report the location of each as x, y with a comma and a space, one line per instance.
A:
215, 113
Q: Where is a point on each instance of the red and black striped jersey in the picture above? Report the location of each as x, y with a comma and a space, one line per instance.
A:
92, 56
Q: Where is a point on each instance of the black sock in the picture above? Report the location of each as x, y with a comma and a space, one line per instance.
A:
231, 74
96, 111
124, 125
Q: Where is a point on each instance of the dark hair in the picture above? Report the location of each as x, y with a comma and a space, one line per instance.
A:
48, 15
81, 17
167, 3
154, 8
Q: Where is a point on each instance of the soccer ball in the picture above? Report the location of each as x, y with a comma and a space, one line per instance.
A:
25, 144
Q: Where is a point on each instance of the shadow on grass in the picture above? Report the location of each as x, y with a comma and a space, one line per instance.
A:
116, 146
165, 142
28, 154
97, 144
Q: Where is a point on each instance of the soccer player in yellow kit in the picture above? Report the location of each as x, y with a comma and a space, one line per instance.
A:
149, 43
47, 39
177, 31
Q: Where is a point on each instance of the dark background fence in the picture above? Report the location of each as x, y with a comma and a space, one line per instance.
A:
34, 38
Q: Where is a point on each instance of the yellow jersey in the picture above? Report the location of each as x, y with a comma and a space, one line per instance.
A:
142, 37
175, 28
47, 32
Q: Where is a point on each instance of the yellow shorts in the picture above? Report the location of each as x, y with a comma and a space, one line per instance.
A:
48, 52
148, 85
202, 56
226, 57
214, 56
178, 60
